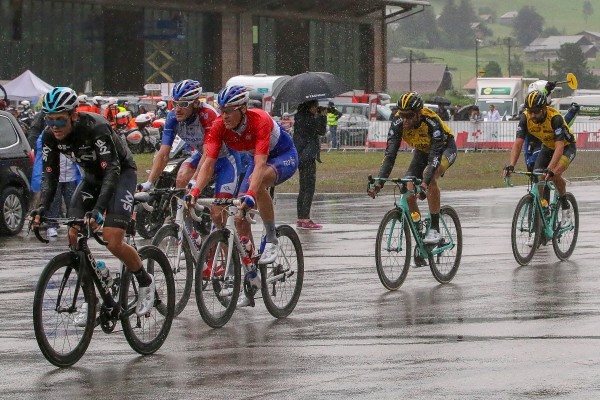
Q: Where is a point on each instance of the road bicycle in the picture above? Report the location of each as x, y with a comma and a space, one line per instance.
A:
393, 247
219, 266
179, 239
72, 278
537, 221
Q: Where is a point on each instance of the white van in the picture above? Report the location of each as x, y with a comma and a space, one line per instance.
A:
261, 85
589, 106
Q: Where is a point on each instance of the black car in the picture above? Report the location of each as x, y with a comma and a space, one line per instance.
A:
16, 165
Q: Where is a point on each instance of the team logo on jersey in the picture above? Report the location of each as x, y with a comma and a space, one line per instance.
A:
45, 152
127, 201
437, 134
103, 164
102, 148
63, 147
48, 169
86, 196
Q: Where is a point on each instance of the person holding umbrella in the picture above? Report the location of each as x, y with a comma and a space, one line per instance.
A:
309, 124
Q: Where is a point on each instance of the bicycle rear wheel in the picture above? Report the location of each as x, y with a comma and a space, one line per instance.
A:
216, 292
565, 239
445, 264
55, 304
166, 239
282, 280
526, 230
393, 249
147, 333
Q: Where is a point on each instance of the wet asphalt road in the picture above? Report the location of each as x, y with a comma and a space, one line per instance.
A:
496, 331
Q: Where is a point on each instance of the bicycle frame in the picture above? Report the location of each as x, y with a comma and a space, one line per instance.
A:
535, 188
233, 240
401, 203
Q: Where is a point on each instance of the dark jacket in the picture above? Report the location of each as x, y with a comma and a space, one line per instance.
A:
307, 129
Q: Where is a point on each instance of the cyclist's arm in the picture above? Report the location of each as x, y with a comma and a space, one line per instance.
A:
205, 173
159, 163
439, 140
50, 170
391, 149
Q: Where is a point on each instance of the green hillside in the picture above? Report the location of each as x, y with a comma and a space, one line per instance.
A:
566, 16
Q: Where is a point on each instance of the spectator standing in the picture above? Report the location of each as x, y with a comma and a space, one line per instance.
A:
493, 114
309, 124
475, 115
443, 112
333, 115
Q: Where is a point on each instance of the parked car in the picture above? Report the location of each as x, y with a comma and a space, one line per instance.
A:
16, 165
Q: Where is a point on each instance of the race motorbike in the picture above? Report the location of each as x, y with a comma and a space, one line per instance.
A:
141, 140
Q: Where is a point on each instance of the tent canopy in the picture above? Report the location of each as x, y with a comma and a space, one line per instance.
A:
26, 86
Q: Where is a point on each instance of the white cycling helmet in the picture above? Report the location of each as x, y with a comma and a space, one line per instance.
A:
143, 119
161, 104
98, 100
541, 86
26, 104
82, 98
112, 101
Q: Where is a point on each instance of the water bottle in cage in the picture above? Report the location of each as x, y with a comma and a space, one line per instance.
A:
248, 249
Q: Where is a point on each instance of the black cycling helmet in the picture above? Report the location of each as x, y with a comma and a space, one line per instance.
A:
410, 101
535, 99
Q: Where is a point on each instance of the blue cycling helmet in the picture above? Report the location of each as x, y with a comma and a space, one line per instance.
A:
59, 99
231, 96
187, 89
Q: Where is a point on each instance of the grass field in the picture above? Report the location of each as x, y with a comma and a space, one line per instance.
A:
347, 172
566, 16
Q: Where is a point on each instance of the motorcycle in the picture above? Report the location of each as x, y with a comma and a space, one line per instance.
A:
150, 219
143, 138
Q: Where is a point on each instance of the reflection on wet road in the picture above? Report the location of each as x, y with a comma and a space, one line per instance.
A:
496, 331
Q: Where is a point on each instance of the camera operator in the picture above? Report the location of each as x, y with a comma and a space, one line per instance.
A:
333, 115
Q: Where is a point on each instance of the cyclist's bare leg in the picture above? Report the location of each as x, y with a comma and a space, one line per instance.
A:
124, 252
412, 200
184, 175
559, 181
433, 194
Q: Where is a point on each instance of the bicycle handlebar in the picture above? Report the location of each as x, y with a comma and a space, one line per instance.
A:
527, 173
65, 221
201, 203
402, 183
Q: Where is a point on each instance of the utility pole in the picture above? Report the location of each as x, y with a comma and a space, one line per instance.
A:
410, 70
508, 44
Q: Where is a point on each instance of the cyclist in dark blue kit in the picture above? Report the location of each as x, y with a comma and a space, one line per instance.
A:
108, 185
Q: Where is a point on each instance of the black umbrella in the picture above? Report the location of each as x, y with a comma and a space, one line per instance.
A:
309, 86
440, 100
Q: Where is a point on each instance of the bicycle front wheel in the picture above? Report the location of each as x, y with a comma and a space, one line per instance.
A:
526, 230
393, 249
182, 263
445, 264
58, 296
565, 237
147, 333
282, 280
217, 283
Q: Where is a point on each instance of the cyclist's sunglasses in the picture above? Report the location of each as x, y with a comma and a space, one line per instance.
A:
535, 111
183, 104
58, 122
229, 110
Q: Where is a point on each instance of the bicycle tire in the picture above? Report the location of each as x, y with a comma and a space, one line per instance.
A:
147, 224
568, 237
216, 309
445, 264
60, 340
526, 222
147, 333
393, 242
281, 281
183, 270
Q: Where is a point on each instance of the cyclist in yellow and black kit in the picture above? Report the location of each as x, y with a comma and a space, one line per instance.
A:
435, 152
558, 144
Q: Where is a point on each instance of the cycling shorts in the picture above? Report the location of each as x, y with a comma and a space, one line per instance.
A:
546, 154
120, 206
227, 172
421, 159
285, 165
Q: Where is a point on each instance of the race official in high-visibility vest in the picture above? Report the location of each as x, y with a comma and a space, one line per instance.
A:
332, 122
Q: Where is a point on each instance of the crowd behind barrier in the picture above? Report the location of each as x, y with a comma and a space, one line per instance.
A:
488, 135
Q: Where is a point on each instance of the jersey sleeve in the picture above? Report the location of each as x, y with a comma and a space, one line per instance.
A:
522, 127
214, 139
50, 169
108, 161
169, 131
560, 129
392, 147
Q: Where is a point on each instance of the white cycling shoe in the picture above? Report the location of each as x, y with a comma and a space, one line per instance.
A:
145, 298
432, 237
80, 319
269, 255
566, 218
